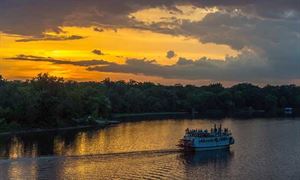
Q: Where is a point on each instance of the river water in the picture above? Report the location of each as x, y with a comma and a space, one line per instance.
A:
263, 149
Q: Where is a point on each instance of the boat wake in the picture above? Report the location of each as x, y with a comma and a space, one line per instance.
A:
131, 153
102, 155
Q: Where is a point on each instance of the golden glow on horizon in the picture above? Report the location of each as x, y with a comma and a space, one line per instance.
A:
117, 46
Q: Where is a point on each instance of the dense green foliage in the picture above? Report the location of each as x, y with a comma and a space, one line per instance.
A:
47, 101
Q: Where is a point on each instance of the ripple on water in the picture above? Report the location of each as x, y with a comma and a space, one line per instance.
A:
264, 149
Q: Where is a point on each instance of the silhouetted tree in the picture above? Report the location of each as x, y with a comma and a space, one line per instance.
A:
49, 101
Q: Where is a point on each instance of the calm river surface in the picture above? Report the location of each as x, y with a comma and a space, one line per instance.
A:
264, 149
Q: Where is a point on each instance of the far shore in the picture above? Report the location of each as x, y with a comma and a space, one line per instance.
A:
37, 130
125, 117
128, 117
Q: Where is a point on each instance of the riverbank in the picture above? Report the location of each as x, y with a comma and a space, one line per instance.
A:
102, 124
211, 114
149, 116
127, 117
120, 117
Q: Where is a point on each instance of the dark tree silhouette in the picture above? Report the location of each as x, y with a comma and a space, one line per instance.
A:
48, 101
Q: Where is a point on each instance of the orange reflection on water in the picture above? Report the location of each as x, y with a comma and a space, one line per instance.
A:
17, 149
133, 150
126, 137
17, 170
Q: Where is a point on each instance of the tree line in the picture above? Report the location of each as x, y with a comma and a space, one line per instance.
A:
49, 101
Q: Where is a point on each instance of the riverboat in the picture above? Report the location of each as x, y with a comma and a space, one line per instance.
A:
198, 139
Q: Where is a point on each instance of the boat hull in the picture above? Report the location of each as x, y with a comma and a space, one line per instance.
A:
189, 148
197, 146
210, 148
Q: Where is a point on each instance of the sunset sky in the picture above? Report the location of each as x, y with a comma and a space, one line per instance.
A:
164, 41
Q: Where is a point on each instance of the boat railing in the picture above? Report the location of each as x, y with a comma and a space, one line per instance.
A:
205, 133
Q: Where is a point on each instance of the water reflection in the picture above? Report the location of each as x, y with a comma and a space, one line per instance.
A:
36, 144
265, 149
213, 164
164, 164
126, 137
217, 157
26, 169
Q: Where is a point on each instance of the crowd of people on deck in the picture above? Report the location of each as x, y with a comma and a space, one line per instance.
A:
204, 133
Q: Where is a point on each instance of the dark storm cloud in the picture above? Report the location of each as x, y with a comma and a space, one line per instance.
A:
170, 54
31, 17
22, 57
243, 67
276, 43
247, 66
270, 30
241, 31
51, 38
